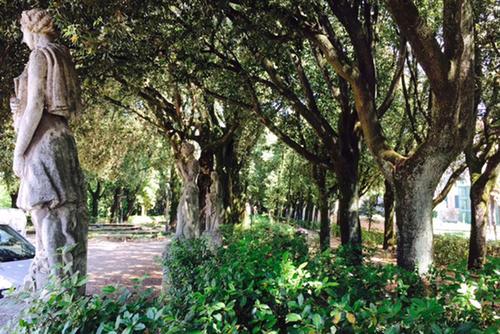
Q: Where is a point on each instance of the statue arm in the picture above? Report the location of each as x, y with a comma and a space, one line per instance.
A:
37, 72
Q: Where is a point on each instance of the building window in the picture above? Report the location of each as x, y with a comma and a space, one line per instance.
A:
462, 203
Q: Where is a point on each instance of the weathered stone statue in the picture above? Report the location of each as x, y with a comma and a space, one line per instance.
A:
188, 212
214, 212
52, 188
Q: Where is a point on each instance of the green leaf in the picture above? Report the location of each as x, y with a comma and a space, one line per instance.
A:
100, 328
150, 313
139, 327
108, 289
317, 321
300, 299
293, 317
118, 322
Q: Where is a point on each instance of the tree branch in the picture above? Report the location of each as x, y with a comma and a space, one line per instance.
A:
423, 43
389, 97
284, 137
449, 184
132, 110
314, 119
311, 99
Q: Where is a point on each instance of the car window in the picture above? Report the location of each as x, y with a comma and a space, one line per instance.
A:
13, 246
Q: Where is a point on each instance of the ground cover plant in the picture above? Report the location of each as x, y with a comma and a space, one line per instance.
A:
263, 280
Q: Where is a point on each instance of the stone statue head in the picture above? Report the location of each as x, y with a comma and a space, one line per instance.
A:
187, 150
35, 23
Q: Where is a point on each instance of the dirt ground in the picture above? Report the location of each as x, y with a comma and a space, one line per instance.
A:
111, 262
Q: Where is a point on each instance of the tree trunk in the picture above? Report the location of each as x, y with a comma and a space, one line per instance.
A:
206, 167
319, 174
167, 206
481, 187
348, 217
175, 197
389, 223
346, 172
300, 206
13, 199
479, 224
95, 196
115, 207
414, 184
313, 215
130, 198
228, 169
413, 218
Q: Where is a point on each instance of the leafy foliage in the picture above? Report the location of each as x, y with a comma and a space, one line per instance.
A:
59, 309
272, 286
452, 249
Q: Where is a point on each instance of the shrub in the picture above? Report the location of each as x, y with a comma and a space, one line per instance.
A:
58, 308
450, 249
264, 281
372, 238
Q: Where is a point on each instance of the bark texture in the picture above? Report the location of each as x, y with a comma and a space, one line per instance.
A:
389, 217
319, 174
482, 185
348, 217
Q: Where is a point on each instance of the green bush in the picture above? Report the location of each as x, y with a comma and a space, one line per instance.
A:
263, 280
450, 249
372, 238
58, 308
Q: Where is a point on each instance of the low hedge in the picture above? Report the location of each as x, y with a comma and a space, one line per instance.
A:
263, 280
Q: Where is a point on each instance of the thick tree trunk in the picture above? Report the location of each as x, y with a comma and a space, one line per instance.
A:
206, 167
228, 169
479, 225
413, 218
414, 186
167, 206
310, 213
188, 209
348, 217
389, 222
481, 187
130, 199
346, 171
94, 209
175, 197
